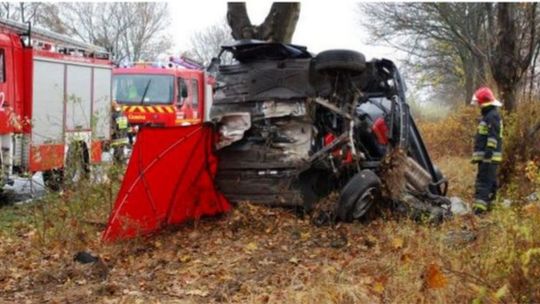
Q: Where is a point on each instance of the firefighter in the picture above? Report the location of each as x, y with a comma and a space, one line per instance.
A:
120, 129
487, 149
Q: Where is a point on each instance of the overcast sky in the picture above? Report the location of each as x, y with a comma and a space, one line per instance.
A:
322, 24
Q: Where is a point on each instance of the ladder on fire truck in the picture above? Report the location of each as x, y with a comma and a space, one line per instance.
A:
50, 41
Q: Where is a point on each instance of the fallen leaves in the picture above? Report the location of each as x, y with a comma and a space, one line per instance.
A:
378, 287
253, 255
250, 247
294, 260
531, 209
434, 277
197, 292
397, 243
184, 258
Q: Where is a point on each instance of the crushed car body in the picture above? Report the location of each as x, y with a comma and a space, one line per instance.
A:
294, 127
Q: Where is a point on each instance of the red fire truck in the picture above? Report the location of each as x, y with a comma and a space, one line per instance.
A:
55, 95
162, 95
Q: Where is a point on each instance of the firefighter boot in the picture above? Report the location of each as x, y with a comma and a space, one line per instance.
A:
480, 207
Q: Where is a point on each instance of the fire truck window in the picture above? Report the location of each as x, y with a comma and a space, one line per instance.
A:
195, 92
2, 66
143, 89
182, 91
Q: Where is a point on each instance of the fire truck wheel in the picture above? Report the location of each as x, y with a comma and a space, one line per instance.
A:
77, 163
358, 196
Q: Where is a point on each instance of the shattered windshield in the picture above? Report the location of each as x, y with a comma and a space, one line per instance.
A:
143, 89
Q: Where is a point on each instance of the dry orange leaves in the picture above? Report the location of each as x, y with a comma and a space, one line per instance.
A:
434, 277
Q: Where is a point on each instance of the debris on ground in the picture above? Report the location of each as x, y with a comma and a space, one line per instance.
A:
392, 174
458, 206
533, 197
459, 237
84, 257
507, 203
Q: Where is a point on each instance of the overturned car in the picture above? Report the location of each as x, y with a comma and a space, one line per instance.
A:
294, 127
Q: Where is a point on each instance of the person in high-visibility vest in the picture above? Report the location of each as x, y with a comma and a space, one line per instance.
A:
133, 94
487, 149
119, 134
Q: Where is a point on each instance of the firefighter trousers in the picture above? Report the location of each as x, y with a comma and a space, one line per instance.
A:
486, 182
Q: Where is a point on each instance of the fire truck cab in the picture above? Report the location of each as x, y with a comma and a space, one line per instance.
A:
55, 95
161, 95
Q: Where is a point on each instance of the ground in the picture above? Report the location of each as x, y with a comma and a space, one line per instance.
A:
256, 254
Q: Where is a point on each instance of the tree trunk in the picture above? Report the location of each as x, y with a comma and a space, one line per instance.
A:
469, 88
504, 63
278, 26
532, 81
469, 72
508, 96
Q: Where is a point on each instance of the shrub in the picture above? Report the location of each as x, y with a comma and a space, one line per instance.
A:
521, 145
450, 136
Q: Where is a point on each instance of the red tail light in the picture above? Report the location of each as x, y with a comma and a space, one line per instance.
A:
381, 131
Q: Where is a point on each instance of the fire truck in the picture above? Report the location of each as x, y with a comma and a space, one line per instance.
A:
55, 95
165, 95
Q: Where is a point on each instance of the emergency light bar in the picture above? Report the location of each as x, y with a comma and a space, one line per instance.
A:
186, 62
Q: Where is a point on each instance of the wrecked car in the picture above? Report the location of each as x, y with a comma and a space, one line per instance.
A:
294, 127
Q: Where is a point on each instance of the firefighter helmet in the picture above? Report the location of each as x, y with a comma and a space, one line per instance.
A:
484, 97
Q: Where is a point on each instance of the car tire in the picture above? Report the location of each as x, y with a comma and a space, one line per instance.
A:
341, 60
358, 196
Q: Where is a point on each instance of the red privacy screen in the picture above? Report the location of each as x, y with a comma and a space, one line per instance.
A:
169, 179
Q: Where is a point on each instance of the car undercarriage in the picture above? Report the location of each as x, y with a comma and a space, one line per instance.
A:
294, 127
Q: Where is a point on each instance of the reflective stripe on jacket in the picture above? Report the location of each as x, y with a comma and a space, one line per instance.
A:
488, 139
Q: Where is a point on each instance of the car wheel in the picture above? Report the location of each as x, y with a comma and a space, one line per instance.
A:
345, 60
358, 196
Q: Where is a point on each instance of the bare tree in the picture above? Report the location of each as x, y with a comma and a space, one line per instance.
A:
279, 24
134, 31
490, 40
207, 43
145, 36
23, 11
514, 46
438, 37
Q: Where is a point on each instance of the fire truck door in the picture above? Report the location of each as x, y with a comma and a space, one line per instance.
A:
195, 98
79, 100
6, 90
183, 102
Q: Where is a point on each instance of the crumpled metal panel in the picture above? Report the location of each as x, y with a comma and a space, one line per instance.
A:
232, 128
235, 119
283, 144
272, 108
260, 81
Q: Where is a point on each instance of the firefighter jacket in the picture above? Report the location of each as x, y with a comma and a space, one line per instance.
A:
488, 139
119, 128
